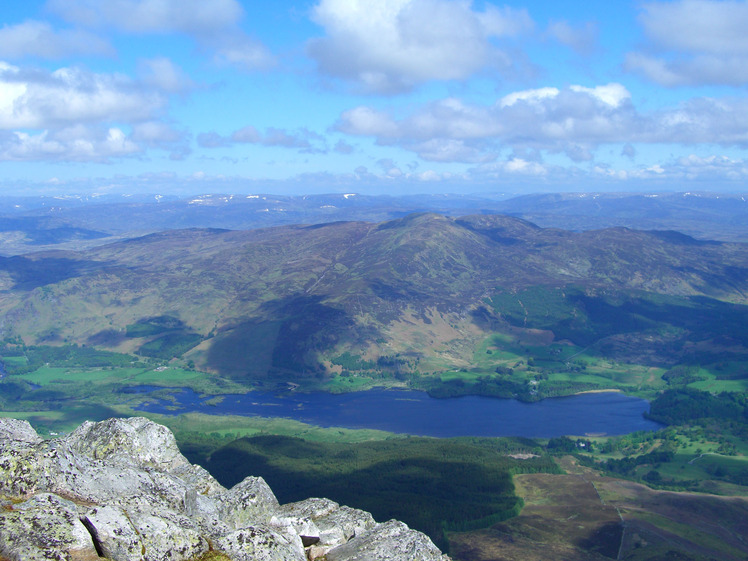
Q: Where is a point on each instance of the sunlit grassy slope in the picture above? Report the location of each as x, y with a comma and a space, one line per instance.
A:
481, 304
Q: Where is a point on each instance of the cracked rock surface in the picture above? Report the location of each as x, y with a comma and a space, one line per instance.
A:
121, 490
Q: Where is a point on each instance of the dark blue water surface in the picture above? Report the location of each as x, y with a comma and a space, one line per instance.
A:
416, 413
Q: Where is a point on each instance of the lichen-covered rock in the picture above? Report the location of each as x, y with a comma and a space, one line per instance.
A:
167, 537
391, 541
17, 430
112, 530
19, 469
323, 522
250, 501
313, 508
343, 524
42, 528
157, 536
259, 543
135, 441
121, 489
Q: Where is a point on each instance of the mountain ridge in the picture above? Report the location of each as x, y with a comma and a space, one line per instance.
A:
298, 296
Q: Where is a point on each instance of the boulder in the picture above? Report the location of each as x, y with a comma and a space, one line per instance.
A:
135, 441
120, 489
135, 536
18, 431
248, 502
344, 524
390, 541
260, 543
44, 527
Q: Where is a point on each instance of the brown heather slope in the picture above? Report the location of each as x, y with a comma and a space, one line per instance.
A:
583, 516
298, 295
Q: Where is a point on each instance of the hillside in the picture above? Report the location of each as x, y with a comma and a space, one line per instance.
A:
29, 224
410, 300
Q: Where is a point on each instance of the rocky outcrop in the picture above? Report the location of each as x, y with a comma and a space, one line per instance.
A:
121, 490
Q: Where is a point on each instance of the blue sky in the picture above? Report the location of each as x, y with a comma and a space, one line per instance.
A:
372, 96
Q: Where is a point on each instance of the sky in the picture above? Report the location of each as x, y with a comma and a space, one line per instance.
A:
372, 96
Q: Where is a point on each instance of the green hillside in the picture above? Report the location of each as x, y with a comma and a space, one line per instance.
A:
479, 304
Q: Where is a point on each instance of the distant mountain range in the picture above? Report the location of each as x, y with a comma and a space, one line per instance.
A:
420, 293
33, 223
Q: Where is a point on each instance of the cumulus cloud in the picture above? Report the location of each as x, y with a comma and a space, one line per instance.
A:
157, 134
574, 121
78, 115
39, 39
694, 42
214, 25
36, 100
390, 46
76, 143
582, 39
151, 16
162, 74
342, 147
237, 49
568, 120
304, 140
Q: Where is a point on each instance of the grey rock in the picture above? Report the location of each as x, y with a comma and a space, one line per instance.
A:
112, 530
17, 430
325, 520
167, 537
45, 527
343, 524
248, 502
259, 543
133, 536
20, 469
121, 489
313, 508
391, 541
135, 441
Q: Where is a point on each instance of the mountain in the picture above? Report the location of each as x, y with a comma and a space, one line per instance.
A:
400, 298
33, 223
701, 215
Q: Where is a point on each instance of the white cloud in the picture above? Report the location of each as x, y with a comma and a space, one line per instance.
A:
246, 134
77, 115
575, 121
342, 147
610, 94
77, 143
390, 46
157, 134
71, 95
714, 170
706, 26
162, 74
694, 42
571, 120
451, 150
38, 39
151, 16
237, 49
367, 122
582, 39
528, 95
516, 165
304, 140
213, 24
